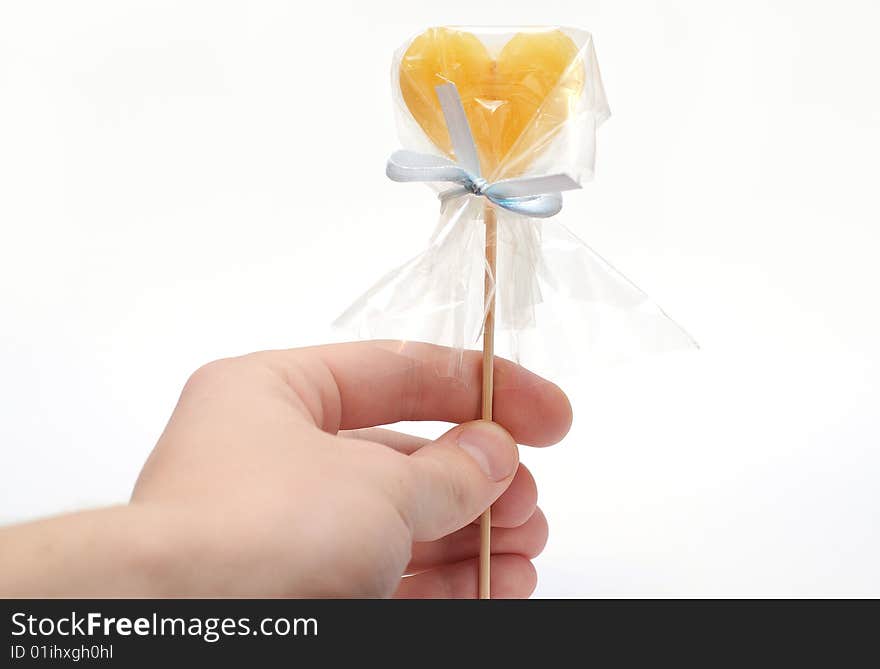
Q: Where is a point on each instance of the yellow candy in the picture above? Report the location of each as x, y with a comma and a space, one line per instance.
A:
514, 104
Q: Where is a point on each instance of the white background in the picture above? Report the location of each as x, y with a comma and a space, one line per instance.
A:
169, 195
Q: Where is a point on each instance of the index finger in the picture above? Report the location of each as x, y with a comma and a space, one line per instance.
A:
364, 384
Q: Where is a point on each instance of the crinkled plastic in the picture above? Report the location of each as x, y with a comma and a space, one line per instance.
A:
534, 99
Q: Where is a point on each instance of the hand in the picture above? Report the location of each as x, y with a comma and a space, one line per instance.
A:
270, 479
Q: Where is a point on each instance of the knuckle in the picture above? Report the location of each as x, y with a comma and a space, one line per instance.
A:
458, 491
210, 375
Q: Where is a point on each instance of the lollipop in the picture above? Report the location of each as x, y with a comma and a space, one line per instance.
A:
509, 120
514, 103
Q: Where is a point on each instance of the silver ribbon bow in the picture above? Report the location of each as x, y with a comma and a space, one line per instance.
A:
538, 197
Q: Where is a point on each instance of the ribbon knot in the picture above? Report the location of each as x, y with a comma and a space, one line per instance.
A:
478, 186
538, 197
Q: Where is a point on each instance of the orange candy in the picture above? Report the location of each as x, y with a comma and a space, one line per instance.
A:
514, 104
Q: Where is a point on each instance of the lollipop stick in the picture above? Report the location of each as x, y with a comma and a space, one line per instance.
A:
488, 380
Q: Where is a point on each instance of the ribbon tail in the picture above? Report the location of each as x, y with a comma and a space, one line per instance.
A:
523, 186
459, 129
414, 166
533, 206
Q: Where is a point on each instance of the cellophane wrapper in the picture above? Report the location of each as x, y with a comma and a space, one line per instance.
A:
558, 305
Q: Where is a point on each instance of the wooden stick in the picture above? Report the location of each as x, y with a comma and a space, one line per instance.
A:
490, 287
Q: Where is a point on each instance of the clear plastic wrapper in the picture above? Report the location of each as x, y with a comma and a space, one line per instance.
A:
534, 99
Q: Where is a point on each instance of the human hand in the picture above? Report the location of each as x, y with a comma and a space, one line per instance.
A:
279, 485
270, 480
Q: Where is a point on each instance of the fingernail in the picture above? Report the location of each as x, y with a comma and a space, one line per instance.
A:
491, 446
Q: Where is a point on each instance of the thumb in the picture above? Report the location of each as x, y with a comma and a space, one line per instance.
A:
456, 478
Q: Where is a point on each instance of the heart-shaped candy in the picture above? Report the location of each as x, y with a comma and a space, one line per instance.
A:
514, 103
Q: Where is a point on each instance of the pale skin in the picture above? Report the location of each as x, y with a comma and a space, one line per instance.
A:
272, 479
